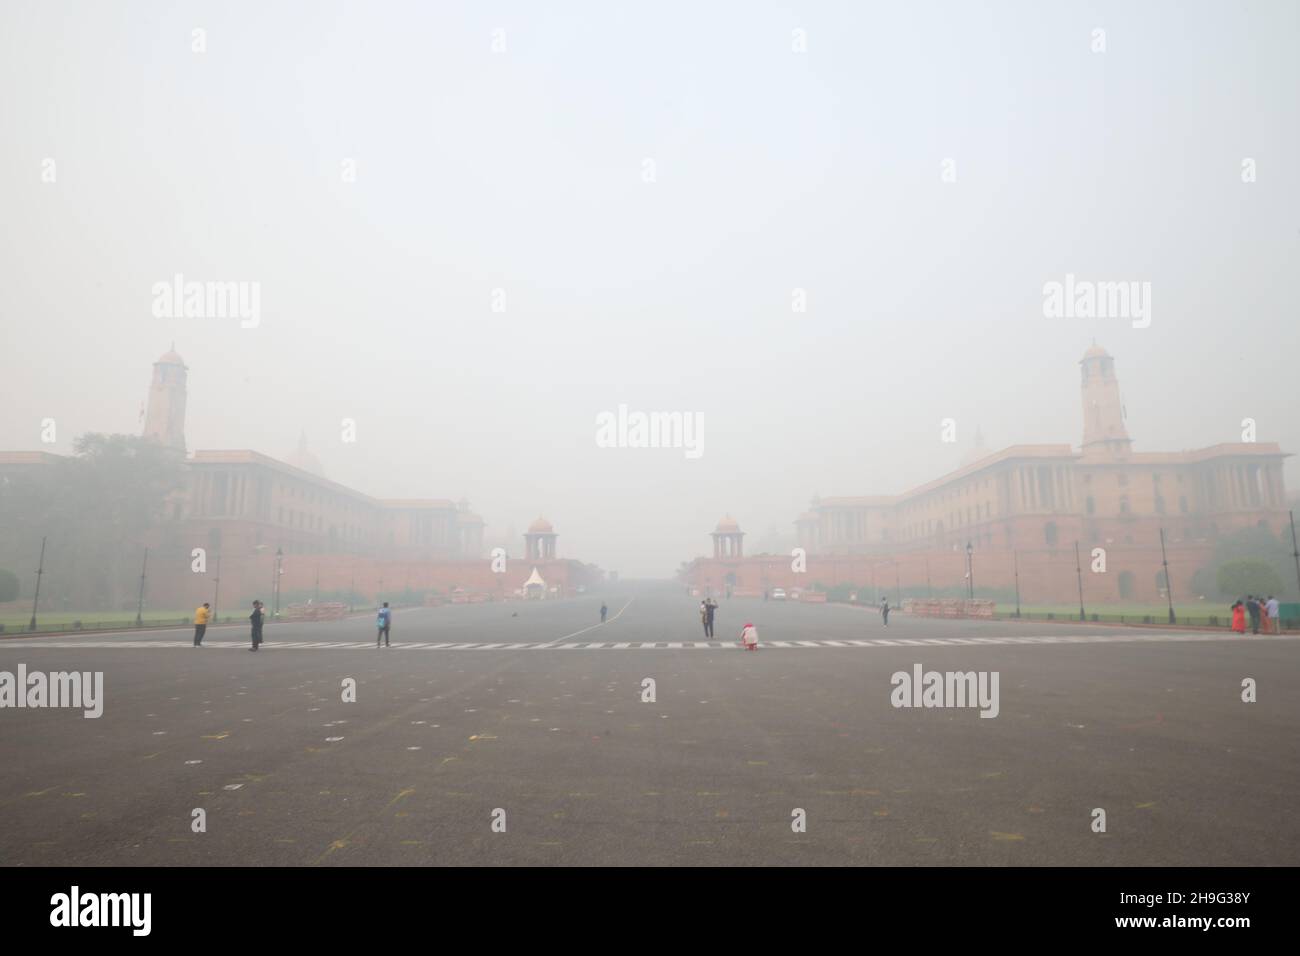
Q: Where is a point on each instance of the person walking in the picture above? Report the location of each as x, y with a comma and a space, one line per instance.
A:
710, 608
749, 637
201, 623
256, 619
1239, 617
1274, 616
1252, 608
603, 611
884, 610
385, 624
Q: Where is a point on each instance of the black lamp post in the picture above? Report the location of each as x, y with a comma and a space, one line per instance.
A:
139, 605
970, 571
1295, 549
40, 572
216, 592
279, 558
1169, 585
1078, 570
1016, 555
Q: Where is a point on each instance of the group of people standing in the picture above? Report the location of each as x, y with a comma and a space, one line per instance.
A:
748, 633
203, 614
1263, 612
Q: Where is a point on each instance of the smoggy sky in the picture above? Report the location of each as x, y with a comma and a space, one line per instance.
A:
525, 171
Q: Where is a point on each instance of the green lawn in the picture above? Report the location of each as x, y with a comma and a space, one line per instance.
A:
1199, 609
15, 621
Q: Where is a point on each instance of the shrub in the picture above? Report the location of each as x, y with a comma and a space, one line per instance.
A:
1246, 576
8, 585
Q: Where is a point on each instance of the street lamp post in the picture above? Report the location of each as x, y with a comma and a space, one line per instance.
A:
1016, 556
970, 571
1295, 551
1078, 570
139, 605
1169, 585
40, 571
279, 558
216, 591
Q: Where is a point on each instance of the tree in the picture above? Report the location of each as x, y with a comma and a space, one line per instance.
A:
95, 508
1247, 576
1252, 544
840, 593
8, 585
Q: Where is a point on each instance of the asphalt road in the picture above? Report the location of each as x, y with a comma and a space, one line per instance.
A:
547, 724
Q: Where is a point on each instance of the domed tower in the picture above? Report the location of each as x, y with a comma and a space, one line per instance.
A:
164, 419
303, 459
539, 541
1103, 412
728, 539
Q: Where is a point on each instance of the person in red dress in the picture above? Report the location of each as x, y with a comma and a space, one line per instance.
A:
1239, 618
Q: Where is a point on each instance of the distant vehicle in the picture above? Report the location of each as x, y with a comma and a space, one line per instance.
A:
794, 594
778, 594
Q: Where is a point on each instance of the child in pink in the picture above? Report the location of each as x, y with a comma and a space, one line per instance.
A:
749, 637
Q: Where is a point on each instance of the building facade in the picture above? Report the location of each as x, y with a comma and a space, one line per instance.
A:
258, 520
1022, 510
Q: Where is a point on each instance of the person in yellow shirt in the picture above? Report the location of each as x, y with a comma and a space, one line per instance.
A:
201, 623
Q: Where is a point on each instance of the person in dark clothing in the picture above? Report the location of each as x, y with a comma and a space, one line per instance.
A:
385, 624
710, 606
884, 610
1252, 608
256, 619
603, 611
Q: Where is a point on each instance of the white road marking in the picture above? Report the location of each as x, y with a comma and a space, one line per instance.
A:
565, 637
1136, 637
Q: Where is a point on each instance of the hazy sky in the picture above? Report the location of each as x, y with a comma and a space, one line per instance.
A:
524, 171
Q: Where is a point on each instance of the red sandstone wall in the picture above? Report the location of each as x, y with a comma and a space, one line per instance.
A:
1046, 577
172, 584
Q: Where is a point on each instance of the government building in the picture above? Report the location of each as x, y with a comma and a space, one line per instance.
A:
1020, 511
254, 512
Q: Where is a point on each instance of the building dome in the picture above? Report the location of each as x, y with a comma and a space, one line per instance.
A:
541, 526
170, 357
1095, 352
727, 525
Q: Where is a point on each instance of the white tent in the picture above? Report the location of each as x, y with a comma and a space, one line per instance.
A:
535, 586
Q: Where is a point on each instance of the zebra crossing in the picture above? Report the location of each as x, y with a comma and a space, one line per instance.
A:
1126, 637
